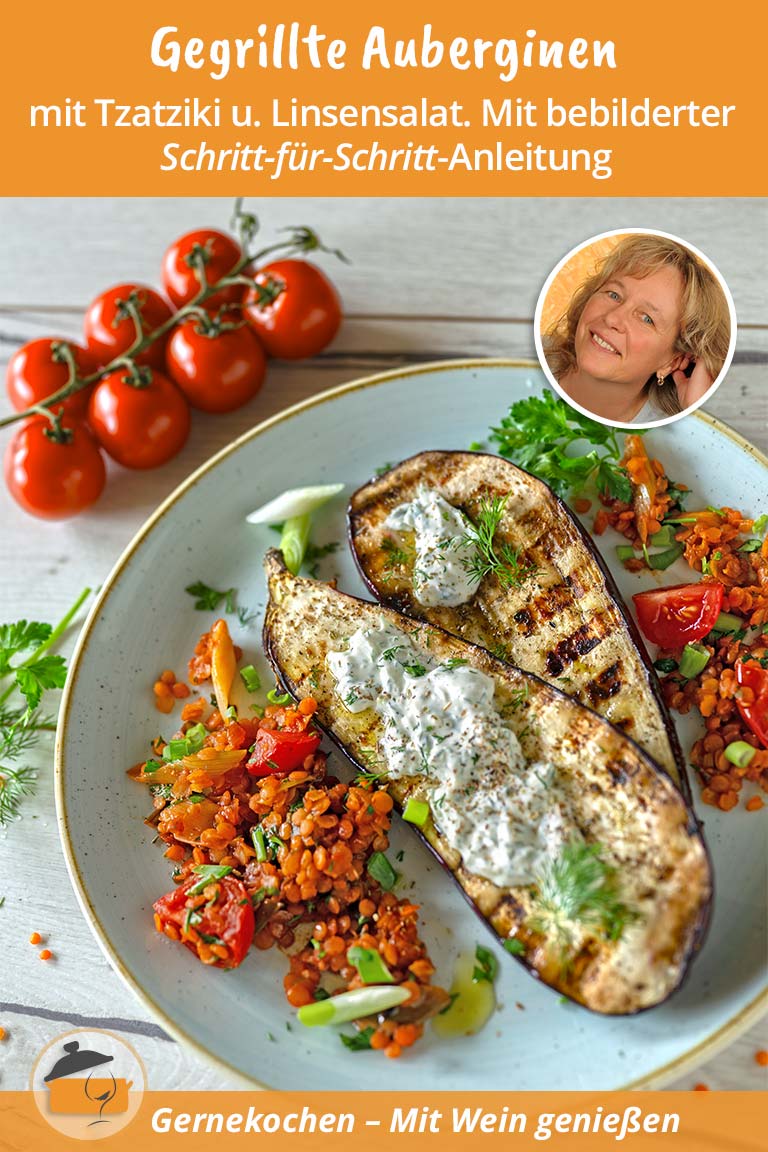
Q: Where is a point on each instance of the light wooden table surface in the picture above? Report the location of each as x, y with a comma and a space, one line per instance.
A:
430, 279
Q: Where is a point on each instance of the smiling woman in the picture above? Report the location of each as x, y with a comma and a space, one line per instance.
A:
644, 337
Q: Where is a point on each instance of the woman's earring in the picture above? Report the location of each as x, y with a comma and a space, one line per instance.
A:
660, 379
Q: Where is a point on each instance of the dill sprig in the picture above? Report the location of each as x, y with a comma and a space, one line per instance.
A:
579, 888
501, 560
15, 784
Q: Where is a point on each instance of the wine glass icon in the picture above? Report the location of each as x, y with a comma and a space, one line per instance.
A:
102, 1099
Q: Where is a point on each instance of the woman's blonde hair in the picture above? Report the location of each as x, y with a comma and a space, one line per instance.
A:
705, 323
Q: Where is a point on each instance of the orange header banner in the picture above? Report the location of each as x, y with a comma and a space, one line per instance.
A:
514, 100
383, 1121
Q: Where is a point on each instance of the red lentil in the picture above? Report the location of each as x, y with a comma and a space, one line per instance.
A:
35, 938
46, 954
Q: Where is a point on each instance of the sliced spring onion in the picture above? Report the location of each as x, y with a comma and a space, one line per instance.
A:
250, 678
663, 538
151, 766
516, 947
625, 552
259, 843
416, 812
294, 540
208, 873
294, 502
275, 697
740, 753
727, 622
352, 1005
753, 545
370, 965
694, 659
382, 871
658, 561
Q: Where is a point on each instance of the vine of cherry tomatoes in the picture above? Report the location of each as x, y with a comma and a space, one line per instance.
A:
128, 389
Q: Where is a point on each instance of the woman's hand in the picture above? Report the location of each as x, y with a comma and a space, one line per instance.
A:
691, 388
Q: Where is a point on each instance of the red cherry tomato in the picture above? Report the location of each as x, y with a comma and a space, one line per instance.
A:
304, 317
675, 616
752, 676
275, 752
216, 373
107, 336
179, 278
49, 479
228, 917
140, 427
33, 375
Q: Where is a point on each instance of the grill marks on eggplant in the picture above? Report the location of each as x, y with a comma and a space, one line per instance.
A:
563, 623
620, 799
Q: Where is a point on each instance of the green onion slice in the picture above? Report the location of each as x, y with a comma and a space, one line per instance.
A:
740, 753
625, 552
352, 1005
694, 659
663, 538
275, 697
382, 871
659, 561
250, 678
514, 946
727, 622
259, 843
293, 503
370, 965
207, 873
416, 812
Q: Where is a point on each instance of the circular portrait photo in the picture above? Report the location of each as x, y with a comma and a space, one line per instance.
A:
635, 328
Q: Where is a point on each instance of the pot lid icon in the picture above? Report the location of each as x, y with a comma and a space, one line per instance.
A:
76, 1061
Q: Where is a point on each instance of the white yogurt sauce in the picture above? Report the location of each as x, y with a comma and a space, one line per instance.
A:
443, 551
506, 817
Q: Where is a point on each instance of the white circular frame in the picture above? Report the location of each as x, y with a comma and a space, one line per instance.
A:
633, 232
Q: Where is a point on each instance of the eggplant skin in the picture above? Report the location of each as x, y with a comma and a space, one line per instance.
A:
621, 799
564, 623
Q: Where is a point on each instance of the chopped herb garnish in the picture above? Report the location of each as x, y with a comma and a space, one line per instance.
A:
259, 844
250, 678
196, 797
503, 561
360, 1041
380, 869
415, 669
150, 767
514, 946
207, 599
579, 887
486, 965
207, 873
321, 993
667, 664
752, 545
760, 525
454, 662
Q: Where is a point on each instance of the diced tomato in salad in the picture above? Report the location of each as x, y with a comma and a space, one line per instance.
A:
755, 713
680, 614
214, 920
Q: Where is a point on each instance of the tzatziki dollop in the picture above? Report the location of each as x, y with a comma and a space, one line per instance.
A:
505, 816
444, 552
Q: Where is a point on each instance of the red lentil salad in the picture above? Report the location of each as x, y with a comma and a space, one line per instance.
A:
712, 635
272, 851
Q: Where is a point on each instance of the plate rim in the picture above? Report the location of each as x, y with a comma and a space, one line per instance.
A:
708, 1047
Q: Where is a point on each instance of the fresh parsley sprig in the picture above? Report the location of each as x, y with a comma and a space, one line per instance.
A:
542, 435
488, 557
30, 677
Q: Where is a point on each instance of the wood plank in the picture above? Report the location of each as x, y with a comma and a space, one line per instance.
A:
477, 257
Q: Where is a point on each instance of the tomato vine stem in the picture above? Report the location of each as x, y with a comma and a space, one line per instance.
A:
301, 239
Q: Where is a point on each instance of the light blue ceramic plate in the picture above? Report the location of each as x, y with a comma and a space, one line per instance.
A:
144, 621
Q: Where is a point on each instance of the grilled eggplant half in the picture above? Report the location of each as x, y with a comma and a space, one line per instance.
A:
553, 610
617, 938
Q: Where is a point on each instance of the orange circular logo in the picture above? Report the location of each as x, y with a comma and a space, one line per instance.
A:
88, 1084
